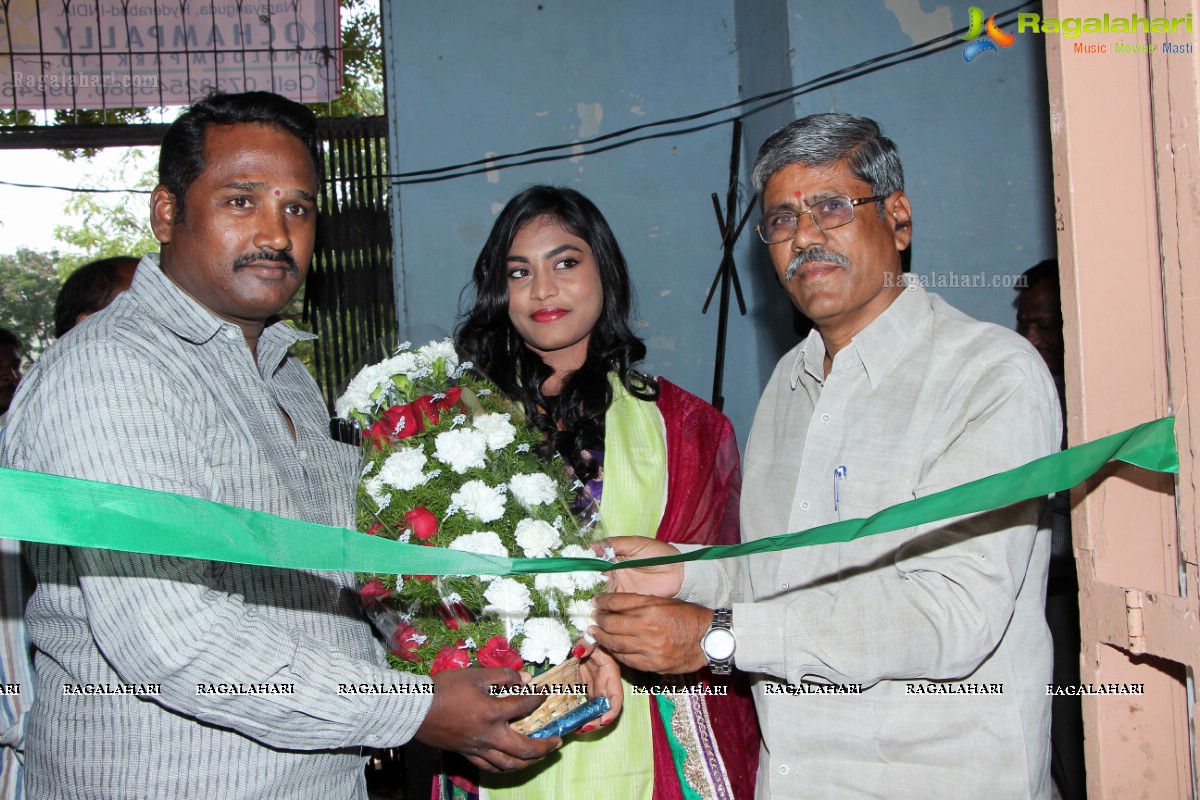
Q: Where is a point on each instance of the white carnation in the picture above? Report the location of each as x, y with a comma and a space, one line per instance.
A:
536, 538
477, 499
533, 490
496, 429
545, 640
404, 469
508, 599
582, 579
381, 496
360, 394
558, 581
580, 613
485, 542
429, 353
461, 449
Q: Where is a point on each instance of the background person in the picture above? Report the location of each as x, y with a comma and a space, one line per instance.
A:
1040, 321
10, 370
185, 385
89, 289
550, 325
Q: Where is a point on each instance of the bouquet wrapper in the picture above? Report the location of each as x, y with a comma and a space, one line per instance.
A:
573, 719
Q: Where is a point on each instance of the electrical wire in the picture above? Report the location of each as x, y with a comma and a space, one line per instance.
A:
750, 106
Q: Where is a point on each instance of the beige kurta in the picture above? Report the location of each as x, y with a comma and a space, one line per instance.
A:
923, 399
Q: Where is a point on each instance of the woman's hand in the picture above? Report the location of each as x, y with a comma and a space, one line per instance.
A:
602, 674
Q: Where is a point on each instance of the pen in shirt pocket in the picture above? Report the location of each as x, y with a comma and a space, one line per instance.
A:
346, 431
838, 474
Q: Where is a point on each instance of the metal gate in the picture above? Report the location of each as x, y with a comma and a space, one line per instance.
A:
349, 298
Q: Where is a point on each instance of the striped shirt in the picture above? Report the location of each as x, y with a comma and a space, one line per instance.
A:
157, 392
16, 670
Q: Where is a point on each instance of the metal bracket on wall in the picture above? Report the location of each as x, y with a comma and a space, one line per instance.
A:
727, 272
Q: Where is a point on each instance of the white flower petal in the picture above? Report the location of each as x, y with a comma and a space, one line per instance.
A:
461, 449
404, 469
545, 640
477, 499
535, 489
508, 599
496, 430
536, 538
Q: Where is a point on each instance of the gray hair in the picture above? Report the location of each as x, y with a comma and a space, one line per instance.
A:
827, 138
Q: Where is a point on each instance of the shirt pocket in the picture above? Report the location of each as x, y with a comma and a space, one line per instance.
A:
335, 468
860, 499
863, 497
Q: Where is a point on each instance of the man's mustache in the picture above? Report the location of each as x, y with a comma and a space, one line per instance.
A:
813, 253
277, 256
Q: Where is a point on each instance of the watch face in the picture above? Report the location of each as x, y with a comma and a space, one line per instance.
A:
719, 644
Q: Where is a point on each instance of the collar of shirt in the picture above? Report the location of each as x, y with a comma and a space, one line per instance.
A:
172, 308
878, 345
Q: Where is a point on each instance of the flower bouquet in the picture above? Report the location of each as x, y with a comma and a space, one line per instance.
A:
452, 463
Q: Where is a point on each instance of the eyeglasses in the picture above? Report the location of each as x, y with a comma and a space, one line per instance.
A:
832, 212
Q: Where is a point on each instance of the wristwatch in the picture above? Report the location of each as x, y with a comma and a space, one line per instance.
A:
719, 643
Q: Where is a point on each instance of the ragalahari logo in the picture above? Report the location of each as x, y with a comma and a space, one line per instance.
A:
995, 36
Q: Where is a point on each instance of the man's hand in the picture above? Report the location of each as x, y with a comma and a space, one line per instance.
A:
663, 581
653, 634
466, 718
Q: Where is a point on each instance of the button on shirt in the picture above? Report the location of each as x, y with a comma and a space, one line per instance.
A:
157, 392
923, 399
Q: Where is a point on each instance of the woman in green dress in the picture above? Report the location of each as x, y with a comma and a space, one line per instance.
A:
550, 324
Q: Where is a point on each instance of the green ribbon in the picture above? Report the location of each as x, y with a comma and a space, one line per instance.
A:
35, 507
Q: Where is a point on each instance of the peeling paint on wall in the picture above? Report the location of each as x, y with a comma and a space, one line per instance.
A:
918, 25
497, 208
590, 115
661, 343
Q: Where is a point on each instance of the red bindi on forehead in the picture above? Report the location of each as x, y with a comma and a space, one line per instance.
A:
278, 193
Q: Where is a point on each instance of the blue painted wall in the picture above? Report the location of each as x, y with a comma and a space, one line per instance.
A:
470, 79
974, 136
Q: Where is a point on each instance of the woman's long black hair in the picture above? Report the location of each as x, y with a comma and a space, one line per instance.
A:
572, 420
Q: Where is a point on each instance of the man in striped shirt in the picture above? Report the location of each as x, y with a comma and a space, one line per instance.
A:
16, 672
184, 384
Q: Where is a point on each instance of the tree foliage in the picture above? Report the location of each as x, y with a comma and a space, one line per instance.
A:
110, 224
99, 225
29, 284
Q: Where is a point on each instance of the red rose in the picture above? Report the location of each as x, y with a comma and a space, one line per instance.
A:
373, 590
453, 612
404, 643
499, 653
455, 657
450, 399
418, 577
375, 529
429, 408
398, 422
424, 524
